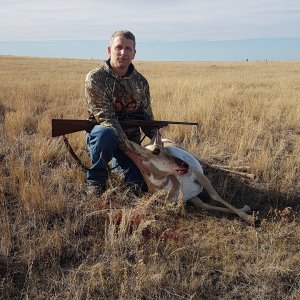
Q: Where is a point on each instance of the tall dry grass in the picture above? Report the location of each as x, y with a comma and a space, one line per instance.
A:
56, 243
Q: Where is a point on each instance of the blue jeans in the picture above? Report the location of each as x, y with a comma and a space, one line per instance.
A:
103, 144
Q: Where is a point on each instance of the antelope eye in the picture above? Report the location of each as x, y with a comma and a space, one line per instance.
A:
156, 151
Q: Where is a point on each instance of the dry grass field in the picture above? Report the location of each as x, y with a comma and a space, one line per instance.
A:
56, 243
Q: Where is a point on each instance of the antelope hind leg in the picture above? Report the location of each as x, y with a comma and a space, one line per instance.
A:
198, 203
203, 180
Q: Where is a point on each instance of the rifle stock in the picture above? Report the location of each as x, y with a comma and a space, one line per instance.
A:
66, 126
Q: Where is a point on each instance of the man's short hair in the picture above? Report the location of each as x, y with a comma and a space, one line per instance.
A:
123, 33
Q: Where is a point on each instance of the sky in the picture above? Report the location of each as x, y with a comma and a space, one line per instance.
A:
171, 30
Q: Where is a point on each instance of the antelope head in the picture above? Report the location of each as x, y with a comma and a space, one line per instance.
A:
159, 161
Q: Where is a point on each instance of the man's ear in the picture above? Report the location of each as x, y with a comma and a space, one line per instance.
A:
108, 51
134, 54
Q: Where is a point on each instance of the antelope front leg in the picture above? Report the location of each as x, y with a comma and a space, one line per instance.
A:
173, 187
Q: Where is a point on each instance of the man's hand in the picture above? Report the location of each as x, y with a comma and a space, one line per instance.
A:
138, 160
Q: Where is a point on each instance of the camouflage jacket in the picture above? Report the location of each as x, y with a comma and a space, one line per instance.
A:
111, 97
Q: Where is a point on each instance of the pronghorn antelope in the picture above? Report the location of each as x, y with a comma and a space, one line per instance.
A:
174, 169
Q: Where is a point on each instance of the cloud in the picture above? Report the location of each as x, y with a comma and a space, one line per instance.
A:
155, 20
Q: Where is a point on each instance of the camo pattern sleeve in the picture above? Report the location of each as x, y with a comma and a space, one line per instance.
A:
110, 97
147, 109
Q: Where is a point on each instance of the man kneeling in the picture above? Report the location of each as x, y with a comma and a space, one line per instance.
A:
113, 91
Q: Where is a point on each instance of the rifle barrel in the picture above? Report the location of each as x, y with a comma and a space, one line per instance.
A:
152, 123
66, 126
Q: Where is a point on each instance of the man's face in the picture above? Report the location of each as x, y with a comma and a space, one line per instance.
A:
121, 54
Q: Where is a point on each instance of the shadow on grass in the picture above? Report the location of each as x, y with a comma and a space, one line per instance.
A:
239, 192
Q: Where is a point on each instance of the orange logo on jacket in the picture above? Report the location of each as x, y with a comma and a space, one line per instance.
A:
125, 102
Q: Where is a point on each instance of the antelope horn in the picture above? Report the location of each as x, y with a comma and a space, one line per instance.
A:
157, 138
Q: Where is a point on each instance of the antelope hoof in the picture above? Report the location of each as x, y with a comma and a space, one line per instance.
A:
246, 209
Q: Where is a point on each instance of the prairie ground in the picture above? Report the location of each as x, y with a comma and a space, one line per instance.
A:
57, 243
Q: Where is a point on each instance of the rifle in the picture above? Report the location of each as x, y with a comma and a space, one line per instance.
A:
66, 126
